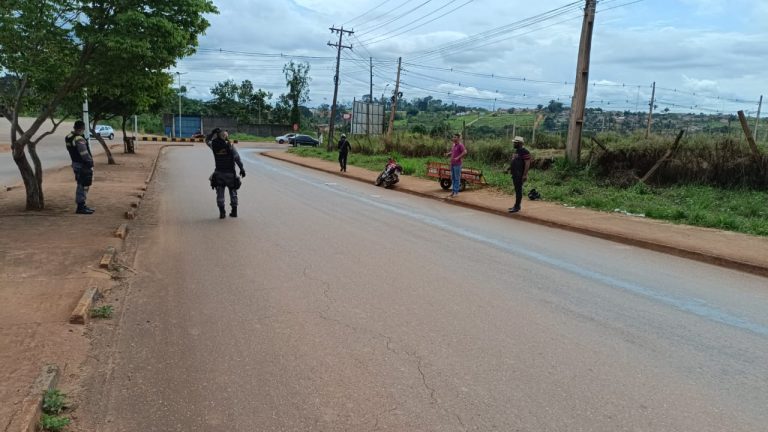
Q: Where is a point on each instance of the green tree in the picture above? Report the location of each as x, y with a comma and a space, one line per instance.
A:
52, 49
225, 102
146, 91
555, 107
241, 101
297, 80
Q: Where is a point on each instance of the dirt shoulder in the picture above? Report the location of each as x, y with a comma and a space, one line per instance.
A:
48, 259
727, 249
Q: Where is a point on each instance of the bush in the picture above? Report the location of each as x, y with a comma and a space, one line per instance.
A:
53, 423
723, 162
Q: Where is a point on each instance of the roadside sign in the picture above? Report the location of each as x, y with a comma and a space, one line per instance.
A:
346, 116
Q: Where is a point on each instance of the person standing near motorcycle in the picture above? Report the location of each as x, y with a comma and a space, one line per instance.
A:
226, 156
521, 162
457, 153
344, 148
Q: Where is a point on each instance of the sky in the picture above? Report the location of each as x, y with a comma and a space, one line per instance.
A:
704, 55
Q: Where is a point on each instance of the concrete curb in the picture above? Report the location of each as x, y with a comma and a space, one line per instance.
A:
122, 231
108, 258
82, 311
157, 158
27, 417
696, 255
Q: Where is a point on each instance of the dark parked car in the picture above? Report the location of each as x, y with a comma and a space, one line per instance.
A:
304, 140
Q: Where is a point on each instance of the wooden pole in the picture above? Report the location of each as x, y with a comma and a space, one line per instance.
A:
339, 47
650, 111
579, 101
757, 120
664, 158
394, 101
750, 139
370, 101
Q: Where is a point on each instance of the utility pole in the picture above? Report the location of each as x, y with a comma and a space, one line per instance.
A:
394, 100
86, 120
179, 74
338, 46
650, 111
579, 101
370, 101
757, 121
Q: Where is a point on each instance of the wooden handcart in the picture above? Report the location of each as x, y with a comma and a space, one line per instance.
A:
442, 171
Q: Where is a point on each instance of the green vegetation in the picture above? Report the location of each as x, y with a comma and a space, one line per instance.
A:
54, 402
104, 312
740, 210
53, 423
250, 138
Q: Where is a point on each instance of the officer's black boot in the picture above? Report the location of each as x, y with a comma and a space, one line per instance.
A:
82, 209
233, 213
222, 212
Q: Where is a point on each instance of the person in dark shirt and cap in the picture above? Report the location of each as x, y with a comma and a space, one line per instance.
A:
344, 148
521, 162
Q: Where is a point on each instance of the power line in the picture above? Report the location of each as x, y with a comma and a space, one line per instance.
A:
488, 37
384, 14
377, 39
376, 27
495, 32
365, 13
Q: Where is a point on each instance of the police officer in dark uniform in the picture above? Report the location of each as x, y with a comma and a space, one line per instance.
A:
82, 165
225, 155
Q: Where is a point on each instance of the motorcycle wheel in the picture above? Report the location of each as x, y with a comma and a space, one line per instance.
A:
379, 179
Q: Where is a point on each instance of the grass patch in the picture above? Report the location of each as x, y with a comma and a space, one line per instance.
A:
740, 210
103, 312
249, 138
54, 402
53, 423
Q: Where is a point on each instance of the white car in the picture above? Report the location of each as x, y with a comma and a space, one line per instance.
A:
105, 131
285, 138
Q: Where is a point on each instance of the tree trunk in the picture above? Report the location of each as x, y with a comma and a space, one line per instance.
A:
107, 151
32, 149
32, 184
110, 159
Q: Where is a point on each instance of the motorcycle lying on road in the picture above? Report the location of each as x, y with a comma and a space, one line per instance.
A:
391, 174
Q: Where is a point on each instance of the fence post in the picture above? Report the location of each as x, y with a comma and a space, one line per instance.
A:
750, 139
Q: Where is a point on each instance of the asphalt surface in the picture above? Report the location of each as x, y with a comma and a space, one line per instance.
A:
333, 305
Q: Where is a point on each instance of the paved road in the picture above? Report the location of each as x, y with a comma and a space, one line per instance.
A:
51, 150
334, 305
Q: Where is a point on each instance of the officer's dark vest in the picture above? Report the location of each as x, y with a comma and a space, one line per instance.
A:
71, 141
222, 154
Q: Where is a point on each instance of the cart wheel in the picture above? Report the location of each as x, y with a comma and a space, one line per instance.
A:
445, 184
463, 185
